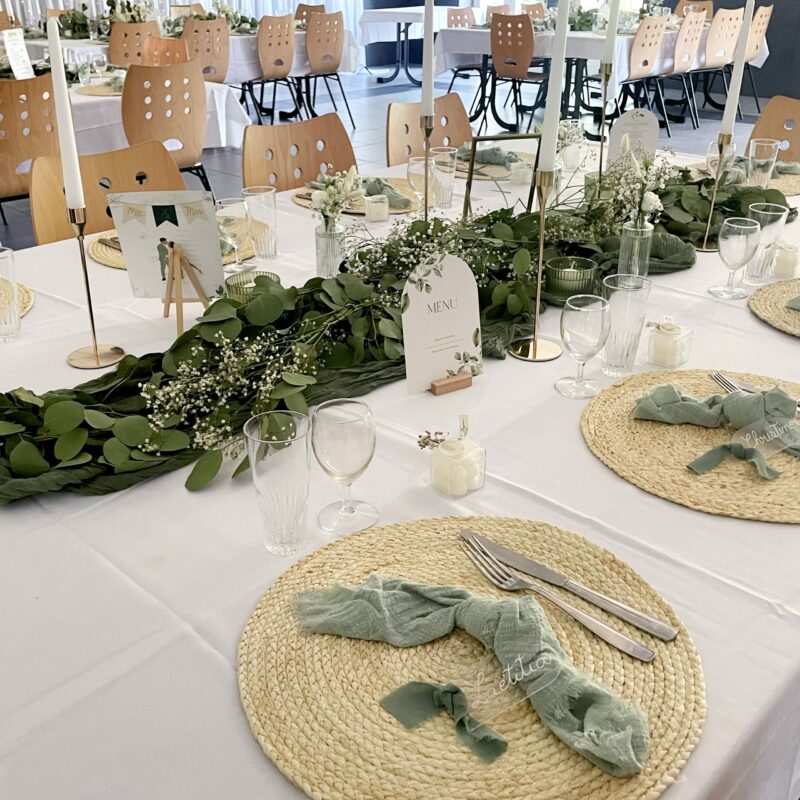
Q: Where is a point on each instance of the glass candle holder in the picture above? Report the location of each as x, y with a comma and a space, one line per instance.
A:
670, 344
458, 466
566, 276
786, 260
240, 286
520, 173
377, 208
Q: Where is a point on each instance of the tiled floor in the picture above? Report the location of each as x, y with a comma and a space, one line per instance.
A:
368, 102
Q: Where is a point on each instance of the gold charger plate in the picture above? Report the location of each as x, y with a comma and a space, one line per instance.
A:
25, 295
769, 304
357, 209
654, 455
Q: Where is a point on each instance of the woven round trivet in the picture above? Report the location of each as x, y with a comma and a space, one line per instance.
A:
25, 296
654, 455
312, 700
302, 197
769, 304
111, 257
99, 90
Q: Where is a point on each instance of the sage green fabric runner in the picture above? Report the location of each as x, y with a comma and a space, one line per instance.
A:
373, 186
794, 303
738, 410
487, 155
596, 723
415, 702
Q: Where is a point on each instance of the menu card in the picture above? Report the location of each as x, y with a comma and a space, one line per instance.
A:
441, 323
17, 53
641, 126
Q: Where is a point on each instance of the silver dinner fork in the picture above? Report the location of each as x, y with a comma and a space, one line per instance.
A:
504, 579
730, 386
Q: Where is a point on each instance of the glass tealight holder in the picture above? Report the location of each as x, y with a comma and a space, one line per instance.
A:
377, 208
566, 276
670, 344
520, 173
240, 286
786, 260
458, 466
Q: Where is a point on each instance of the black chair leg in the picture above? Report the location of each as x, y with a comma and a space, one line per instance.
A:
256, 105
659, 89
330, 94
296, 93
687, 99
274, 98
452, 81
3, 215
199, 171
336, 77
753, 86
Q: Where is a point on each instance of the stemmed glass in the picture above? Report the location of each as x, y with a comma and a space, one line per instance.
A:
343, 439
728, 157
104, 24
585, 322
415, 173
233, 223
738, 242
100, 63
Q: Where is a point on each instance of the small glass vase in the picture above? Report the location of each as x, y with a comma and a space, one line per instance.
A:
329, 249
634, 249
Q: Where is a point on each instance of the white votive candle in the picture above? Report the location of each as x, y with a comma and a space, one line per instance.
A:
786, 258
377, 208
457, 467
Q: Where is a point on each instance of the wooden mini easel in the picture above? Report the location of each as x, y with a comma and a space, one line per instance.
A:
180, 267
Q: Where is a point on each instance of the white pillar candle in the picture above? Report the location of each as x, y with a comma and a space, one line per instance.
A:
70, 167
735, 88
609, 48
552, 113
427, 62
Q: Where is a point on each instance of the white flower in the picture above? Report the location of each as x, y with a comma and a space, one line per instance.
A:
651, 203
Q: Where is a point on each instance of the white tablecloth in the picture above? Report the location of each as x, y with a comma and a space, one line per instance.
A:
380, 24
242, 58
456, 47
120, 615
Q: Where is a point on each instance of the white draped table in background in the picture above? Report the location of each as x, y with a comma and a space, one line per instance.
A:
120, 615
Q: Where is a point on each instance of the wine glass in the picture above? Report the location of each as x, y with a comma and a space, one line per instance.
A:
585, 322
415, 173
233, 223
728, 157
100, 63
738, 241
104, 24
343, 438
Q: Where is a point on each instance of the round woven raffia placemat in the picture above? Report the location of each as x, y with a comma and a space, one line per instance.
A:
654, 455
787, 185
312, 701
769, 304
111, 257
302, 197
99, 90
25, 296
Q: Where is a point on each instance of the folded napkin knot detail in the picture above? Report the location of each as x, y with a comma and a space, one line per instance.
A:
373, 186
602, 727
794, 303
417, 701
487, 155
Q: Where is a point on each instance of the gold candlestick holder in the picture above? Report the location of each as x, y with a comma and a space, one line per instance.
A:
95, 356
426, 123
537, 348
605, 75
723, 140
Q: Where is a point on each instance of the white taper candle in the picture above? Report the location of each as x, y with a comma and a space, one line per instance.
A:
735, 88
70, 167
427, 62
552, 112
609, 48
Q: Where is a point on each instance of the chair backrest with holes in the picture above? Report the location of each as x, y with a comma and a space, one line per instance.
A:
325, 42
722, 37
126, 42
276, 46
289, 156
157, 51
647, 47
512, 45
5, 21
208, 41
758, 31
304, 10
781, 120
492, 10
534, 10
707, 6
687, 43
27, 129
146, 167
460, 17
404, 136
167, 104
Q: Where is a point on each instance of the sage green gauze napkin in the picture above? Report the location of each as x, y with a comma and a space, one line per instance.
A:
415, 702
373, 186
794, 303
487, 155
596, 723
739, 410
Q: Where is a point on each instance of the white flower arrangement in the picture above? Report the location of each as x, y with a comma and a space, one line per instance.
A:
570, 131
338, 191
125, 11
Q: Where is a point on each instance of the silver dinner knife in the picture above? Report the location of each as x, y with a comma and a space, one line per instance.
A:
639, 619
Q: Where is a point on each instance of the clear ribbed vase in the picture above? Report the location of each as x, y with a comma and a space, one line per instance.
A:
329, 249
634, 251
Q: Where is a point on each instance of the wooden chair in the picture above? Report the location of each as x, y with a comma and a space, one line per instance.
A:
492, 10
781, 120
404, 137
27, 129
687, 46
755, 44
325, 43
6, 21
276, 56
168, 104
146, 167
126, 42
463, 17
708, 7
157, 51
288, 156
208, 41
534, 10
304, 9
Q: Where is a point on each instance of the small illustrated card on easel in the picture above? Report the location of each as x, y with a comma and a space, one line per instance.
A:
441, 323
641, 127
17, 53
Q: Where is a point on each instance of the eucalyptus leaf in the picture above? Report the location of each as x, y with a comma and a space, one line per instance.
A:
70, 444
205, 470
218, 312
229, 329
521, 262
282, 390
63, 416
28, 397
172, 440
242, 466
296, 379
263, 310
132, 431
390, 329
115, 452
502, 231
7, 428
296, 402
80, 458
26, 460
97, 419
